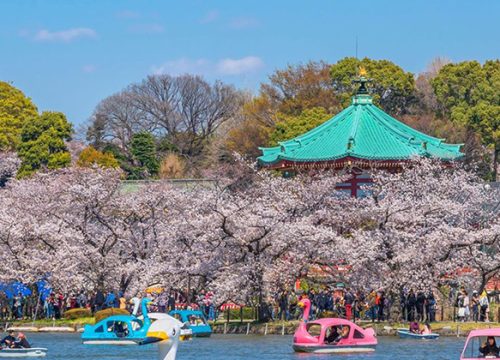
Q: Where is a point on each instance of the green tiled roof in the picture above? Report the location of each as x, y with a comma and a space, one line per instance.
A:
360, 131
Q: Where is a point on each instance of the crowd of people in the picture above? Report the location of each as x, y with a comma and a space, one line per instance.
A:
373, 305
54, 304
347, 303
417, 306
475, 307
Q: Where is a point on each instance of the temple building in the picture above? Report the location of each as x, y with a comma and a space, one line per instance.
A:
359, 138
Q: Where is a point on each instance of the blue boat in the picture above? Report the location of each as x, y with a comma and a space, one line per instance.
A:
406, 334
122, 330
196, 321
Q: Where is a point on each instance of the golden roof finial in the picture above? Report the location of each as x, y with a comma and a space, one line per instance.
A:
362, 71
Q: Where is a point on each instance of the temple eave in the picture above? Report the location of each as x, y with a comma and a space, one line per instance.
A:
348, 161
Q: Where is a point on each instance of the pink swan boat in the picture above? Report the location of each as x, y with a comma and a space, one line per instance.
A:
314, 336
474, 341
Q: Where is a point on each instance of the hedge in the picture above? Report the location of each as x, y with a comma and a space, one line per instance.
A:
109, 312
77, 313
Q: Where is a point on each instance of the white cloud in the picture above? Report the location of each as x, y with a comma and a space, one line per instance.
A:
239, 66
147, 28
67, 35
183, 66
209, 17
244, 23
89, 68
202, 66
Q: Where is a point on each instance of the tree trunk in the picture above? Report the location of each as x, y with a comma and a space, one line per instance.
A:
124, 283
496, 151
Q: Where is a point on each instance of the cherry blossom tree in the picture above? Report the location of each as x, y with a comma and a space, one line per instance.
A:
267, 232
417, 226
249, 236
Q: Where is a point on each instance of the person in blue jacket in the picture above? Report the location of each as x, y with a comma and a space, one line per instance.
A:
110, 300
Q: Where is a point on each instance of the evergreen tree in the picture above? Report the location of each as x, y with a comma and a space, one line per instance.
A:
43, 144
143, 149
470, 95
15, 110
392, 88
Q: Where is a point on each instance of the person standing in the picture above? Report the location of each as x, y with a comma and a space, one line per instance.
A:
460, 304
411, 303
51, 306
484, 304
81, 300
475, 306
358, 305
420, 306
162, 302
18, 306
312, 296
57, 306
372, 297
110, 300
322, 302
403, 304
123, 302
171, 301
348, 300
99, 300
381, 306
466, 306
430, 307
283, 304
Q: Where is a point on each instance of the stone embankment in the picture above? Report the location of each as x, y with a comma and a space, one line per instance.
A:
51, 329
272, 328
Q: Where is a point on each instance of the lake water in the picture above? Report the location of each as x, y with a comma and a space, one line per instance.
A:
239, 347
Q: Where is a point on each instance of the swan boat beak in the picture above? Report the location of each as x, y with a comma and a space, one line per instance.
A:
155, 336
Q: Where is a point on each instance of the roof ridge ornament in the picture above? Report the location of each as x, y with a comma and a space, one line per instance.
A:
362, 95
362, 79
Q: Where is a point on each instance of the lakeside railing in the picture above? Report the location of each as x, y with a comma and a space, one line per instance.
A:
133, 185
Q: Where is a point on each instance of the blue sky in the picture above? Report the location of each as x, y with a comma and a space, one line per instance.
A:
67, 55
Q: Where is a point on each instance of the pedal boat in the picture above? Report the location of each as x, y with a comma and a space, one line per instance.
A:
201, 328
122, 330
22, 353
310, 335
474, 341
407, 334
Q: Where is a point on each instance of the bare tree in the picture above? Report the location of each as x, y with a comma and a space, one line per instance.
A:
425, 93
116, 119
186, 110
